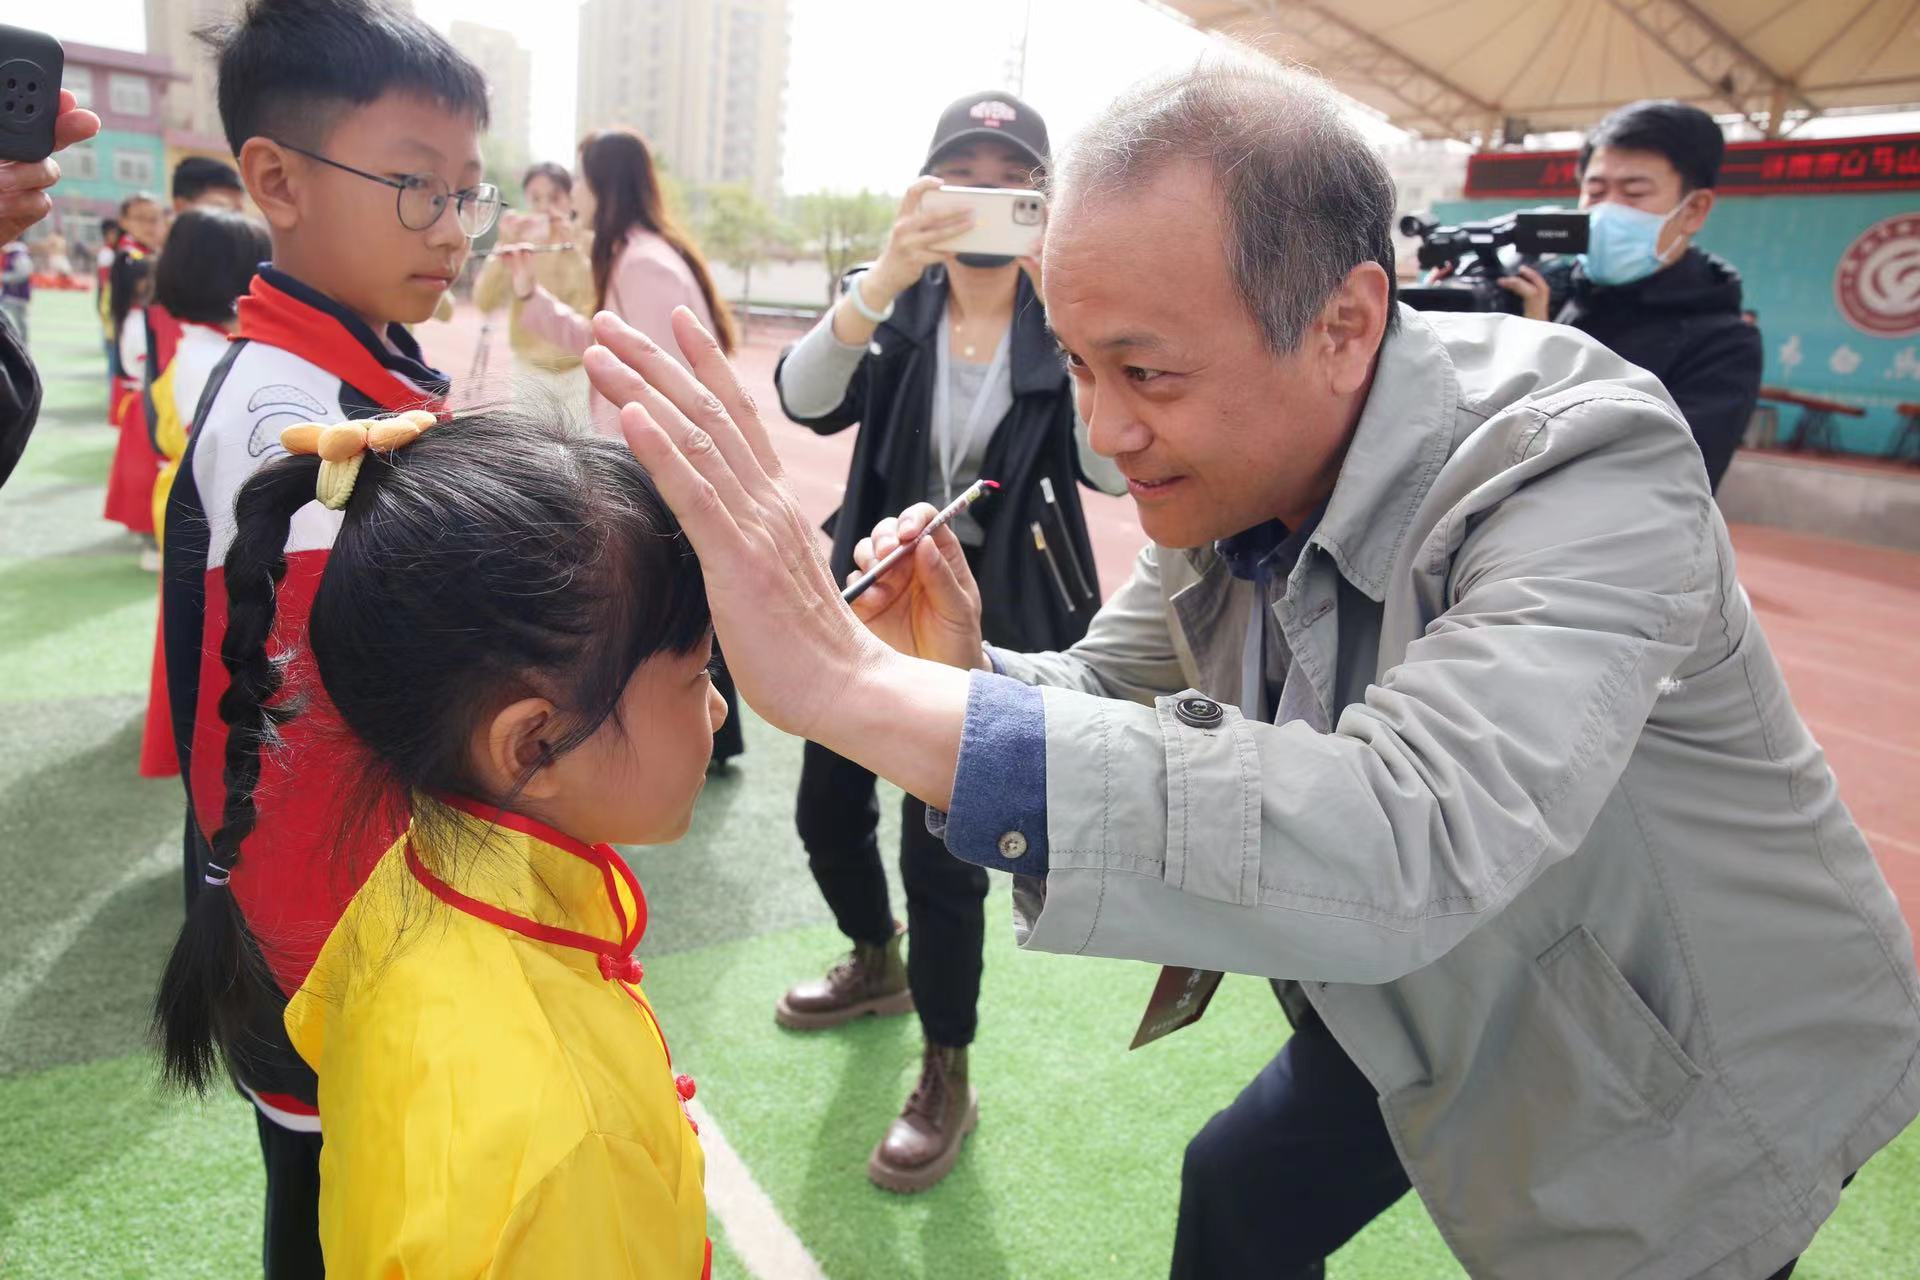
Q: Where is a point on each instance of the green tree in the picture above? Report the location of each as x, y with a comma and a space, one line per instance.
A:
735, 228
845, 229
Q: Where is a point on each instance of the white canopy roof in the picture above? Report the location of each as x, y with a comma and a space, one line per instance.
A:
1462, 68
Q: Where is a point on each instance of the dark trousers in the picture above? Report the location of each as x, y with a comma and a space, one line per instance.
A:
839, 816
728, 740
1292, 1170
290, 1236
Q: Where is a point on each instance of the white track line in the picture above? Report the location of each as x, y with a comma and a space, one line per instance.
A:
756, 1232
52, 943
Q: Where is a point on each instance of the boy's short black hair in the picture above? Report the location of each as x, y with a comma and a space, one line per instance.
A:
194, 176
555, 173
1685, 135
108, 226
209, 261
289, 67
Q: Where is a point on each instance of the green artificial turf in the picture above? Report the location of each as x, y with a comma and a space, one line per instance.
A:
1073, 1172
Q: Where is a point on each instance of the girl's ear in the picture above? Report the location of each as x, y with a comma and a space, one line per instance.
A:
512, 750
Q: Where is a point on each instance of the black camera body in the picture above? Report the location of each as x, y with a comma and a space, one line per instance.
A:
31, 65
1472, 250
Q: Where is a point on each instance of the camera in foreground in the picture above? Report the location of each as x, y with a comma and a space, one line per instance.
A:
1479, 254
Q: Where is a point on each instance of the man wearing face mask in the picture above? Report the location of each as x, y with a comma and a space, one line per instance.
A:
1647, 174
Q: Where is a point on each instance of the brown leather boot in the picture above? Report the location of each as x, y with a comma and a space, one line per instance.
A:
868, 980
922, 1145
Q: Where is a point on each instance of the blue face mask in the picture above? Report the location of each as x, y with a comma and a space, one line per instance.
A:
1623, 243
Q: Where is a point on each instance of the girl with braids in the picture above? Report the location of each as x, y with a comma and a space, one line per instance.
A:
513, 633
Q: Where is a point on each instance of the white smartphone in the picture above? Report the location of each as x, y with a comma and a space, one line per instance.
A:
1005, 221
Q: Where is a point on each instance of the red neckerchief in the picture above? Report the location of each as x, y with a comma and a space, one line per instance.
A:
270, 315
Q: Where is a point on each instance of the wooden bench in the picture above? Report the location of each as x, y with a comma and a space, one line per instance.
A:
1907, 443
1814, 430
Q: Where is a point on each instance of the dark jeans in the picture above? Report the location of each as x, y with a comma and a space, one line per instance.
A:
290, 1236
1292, 1170
839, 817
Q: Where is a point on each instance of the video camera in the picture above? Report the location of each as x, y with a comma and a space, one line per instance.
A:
1472, 249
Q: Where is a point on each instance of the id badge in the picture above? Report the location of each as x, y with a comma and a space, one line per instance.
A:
1178, 1000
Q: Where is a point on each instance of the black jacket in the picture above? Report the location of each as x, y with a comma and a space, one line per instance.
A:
19, 399
1681, 324
891, 398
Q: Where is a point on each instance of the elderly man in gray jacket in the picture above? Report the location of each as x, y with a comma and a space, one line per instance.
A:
1435, 696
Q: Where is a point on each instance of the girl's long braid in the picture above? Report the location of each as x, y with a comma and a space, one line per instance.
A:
216, 985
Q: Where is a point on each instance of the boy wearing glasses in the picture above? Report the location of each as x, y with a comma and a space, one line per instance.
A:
357, 131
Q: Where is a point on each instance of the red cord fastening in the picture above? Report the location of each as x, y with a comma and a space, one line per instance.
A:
685, 1086
625, 968
695, 1124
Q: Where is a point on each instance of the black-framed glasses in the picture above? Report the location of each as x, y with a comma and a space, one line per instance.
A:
423, 197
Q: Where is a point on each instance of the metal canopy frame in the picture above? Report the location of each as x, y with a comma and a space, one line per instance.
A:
1721, 63
1330, 37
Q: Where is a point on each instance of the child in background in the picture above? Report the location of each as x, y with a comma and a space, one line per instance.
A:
201, 182
210, 259
357, 131
129, 284
16, 286
515, 634
198, 183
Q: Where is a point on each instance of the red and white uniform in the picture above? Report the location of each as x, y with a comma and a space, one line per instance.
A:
296, 357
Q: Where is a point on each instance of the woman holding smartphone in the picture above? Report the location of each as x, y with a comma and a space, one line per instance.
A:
565, 273
642, 263
945, 363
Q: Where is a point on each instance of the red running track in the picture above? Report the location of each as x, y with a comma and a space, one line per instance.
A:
1843, 619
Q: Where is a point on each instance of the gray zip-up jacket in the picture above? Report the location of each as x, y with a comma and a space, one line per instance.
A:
1567, 877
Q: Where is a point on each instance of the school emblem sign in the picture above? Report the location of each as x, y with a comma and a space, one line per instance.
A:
1877, 284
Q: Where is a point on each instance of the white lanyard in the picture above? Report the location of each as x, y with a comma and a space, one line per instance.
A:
954, 449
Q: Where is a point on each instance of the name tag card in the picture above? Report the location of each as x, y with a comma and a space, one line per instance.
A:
1178, 1000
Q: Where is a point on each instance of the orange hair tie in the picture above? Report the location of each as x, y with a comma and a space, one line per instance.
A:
343, 446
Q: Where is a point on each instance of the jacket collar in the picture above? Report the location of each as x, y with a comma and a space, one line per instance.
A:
1403, 438
292, 314
1696, 281
522, 875
1035, 360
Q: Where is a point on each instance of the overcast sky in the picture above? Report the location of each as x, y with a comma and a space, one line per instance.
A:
867, 77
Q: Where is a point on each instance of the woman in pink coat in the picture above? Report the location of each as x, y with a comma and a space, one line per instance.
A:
643, 264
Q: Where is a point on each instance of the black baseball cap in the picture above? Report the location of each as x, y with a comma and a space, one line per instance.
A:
994, 114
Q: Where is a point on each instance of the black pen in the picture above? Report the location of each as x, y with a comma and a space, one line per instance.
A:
1066, 538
